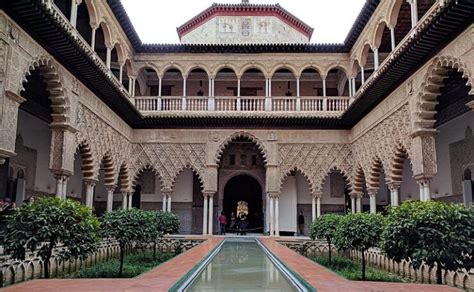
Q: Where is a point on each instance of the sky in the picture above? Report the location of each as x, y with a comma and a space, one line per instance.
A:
156, 20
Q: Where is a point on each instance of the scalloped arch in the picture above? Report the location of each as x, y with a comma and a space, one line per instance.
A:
427, 98
309, 181
60, 103
260, 146
181, 170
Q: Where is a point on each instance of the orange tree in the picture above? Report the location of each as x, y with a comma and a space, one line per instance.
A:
47, 223
434, 233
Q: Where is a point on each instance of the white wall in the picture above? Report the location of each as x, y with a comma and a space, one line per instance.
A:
287, 205
36, 134
183, 187
450, 132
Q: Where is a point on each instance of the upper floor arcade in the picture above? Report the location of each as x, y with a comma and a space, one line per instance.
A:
320, 80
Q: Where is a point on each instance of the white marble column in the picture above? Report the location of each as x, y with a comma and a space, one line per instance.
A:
394, 196
213, 87
277, 215
238, 87
59, 186
90, 185
318, 206
362, 74
168, 203
392, 38
110, 198
272, 217
124, 201
298, 86
376, 58
184, 86
165, 196
205, 214
73, 19
160, 85
313, 208
94, 29
269, 87
324, 87
353, 204
359, 203
427, 190
108, 58
121, 73
414, 12
130, 197
211, 214
350, 88
373, 201
421, 189
64, 185
354, 89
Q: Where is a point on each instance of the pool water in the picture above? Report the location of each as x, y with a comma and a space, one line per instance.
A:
241, 266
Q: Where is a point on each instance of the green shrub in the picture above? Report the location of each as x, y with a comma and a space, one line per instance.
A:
46, 223
351, 269
133, 265
431, 233
359, 232
324, 227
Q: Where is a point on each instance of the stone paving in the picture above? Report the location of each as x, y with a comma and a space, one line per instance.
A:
164, 276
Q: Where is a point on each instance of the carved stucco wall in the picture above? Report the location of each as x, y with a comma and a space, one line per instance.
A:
244, 30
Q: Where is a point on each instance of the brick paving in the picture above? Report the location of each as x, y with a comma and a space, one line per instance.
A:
325, 280
164, 276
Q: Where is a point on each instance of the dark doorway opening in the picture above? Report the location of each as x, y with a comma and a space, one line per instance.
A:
245, 188
137, 197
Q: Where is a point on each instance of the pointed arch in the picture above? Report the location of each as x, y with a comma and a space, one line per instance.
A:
336, 169
181, 170
245, 135
60, 103
312, 186
433, 79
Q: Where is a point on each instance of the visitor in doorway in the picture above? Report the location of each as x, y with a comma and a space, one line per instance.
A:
242, 223
301, 223
222, 222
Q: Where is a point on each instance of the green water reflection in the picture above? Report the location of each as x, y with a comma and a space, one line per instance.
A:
241, 266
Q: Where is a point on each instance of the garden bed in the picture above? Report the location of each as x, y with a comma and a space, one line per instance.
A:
352, 270
134, 265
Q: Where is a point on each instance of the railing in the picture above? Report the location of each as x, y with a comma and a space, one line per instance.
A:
150, 104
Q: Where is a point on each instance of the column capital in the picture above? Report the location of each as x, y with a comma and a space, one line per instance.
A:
274, 195
110, 188
423, 179
393, 186
166, 192
317, 194
90, 182
208, 193
372, 192
356, 195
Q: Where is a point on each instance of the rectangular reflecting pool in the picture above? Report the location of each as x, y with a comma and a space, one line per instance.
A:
241, 265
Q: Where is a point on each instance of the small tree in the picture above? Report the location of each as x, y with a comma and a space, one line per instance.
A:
161, 223
127, 227
324, 227
47, 223
431, 233
360, 232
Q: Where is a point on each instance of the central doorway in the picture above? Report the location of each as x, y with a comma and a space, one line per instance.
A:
244, 188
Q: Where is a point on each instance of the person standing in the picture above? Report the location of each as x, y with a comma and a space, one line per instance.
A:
222, 222
301, 223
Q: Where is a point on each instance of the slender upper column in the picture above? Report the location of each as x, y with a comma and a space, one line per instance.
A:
376, 58
362, 74
297, 86
73, 19
184, 85
324, 87
394, 197
109, 57
94, 29
392, 38
160, 83
414, 12
238, 86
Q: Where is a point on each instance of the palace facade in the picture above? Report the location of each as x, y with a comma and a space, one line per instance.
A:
245, 109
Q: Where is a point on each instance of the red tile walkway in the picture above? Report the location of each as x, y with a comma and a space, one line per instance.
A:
325, 280
164, 276
159, 279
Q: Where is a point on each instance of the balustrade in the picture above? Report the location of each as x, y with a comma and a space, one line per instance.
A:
245, 103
